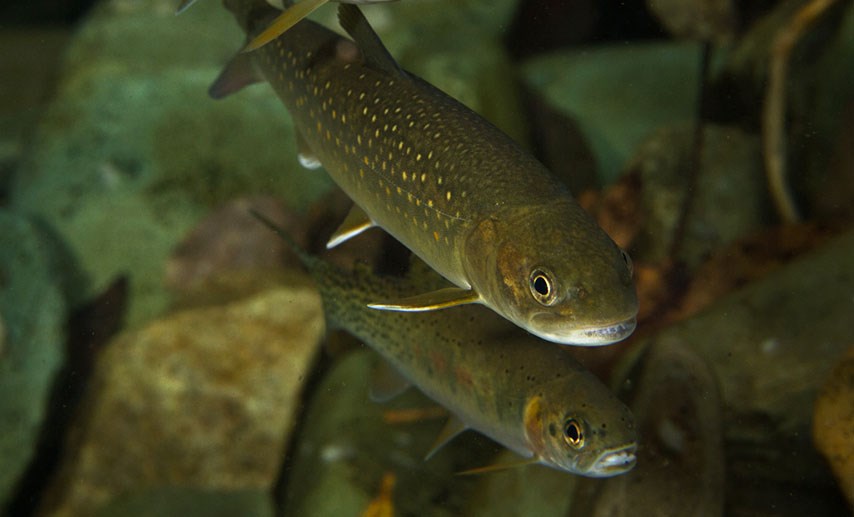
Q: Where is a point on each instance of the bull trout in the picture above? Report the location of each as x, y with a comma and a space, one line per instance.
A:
442, 180
532, 398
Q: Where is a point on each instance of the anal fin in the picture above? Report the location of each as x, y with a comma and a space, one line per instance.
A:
290, 17
387, 383
432, 301
452, 428
355, 223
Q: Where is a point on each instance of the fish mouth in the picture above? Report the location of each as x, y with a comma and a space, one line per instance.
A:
613, 462
588, 336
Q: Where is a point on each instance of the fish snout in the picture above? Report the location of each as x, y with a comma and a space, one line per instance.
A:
546, 327
613, 462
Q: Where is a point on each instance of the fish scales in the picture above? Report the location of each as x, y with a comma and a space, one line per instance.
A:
486, 372
410, 159
449, 185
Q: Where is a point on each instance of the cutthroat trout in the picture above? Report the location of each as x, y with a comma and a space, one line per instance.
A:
493, 377
442, 180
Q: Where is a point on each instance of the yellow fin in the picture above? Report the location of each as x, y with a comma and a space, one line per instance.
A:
355, 223
453, 427
290, 17
432, 301
498, 467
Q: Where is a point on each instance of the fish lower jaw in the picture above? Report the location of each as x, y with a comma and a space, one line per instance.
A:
614, 462
588, 336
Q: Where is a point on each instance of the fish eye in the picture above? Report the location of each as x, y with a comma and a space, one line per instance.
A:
542, 287
573, 435
628, 260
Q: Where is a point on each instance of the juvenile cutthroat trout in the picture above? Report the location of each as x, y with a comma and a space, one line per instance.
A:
442, 180
494, 378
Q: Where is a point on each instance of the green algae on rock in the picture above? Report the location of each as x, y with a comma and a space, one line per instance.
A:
33, 313
618, 95
132, 152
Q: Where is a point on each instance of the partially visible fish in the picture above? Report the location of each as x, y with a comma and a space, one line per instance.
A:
292, 14
530, 397
681, 455
442, 180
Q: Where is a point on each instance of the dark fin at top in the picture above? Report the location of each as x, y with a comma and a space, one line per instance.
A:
375, 53
238, 73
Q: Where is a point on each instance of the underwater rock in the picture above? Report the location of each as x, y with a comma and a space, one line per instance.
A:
32, 342
132, 151
729, 201
346, 447
705, 20
833, 423
529, 490
205, 398
828, 110
232, 239
770, 345
680, 468
190, 502
618, 96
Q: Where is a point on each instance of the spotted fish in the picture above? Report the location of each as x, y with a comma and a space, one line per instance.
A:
442, 180
493, 377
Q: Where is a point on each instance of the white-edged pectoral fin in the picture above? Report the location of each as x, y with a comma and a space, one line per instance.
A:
453, 427
387, 383
432, 301
305, 155
355, 223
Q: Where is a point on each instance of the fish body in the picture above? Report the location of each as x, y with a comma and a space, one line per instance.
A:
442, 180
533, 398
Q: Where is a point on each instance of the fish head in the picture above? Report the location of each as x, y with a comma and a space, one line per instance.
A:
554, 272
593, 437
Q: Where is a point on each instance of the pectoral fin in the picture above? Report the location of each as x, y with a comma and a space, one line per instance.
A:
498, 467
290, 17
387, 383
355, 223
453, 427
237, 74
305, 155
432, 301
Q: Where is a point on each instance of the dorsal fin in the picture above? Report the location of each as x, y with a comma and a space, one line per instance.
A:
375, 53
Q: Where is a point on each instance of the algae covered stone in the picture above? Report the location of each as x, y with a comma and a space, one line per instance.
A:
32, 341
132, 151
618, 95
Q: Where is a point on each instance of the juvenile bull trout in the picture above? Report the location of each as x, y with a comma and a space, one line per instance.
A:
494, 378
442, 180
